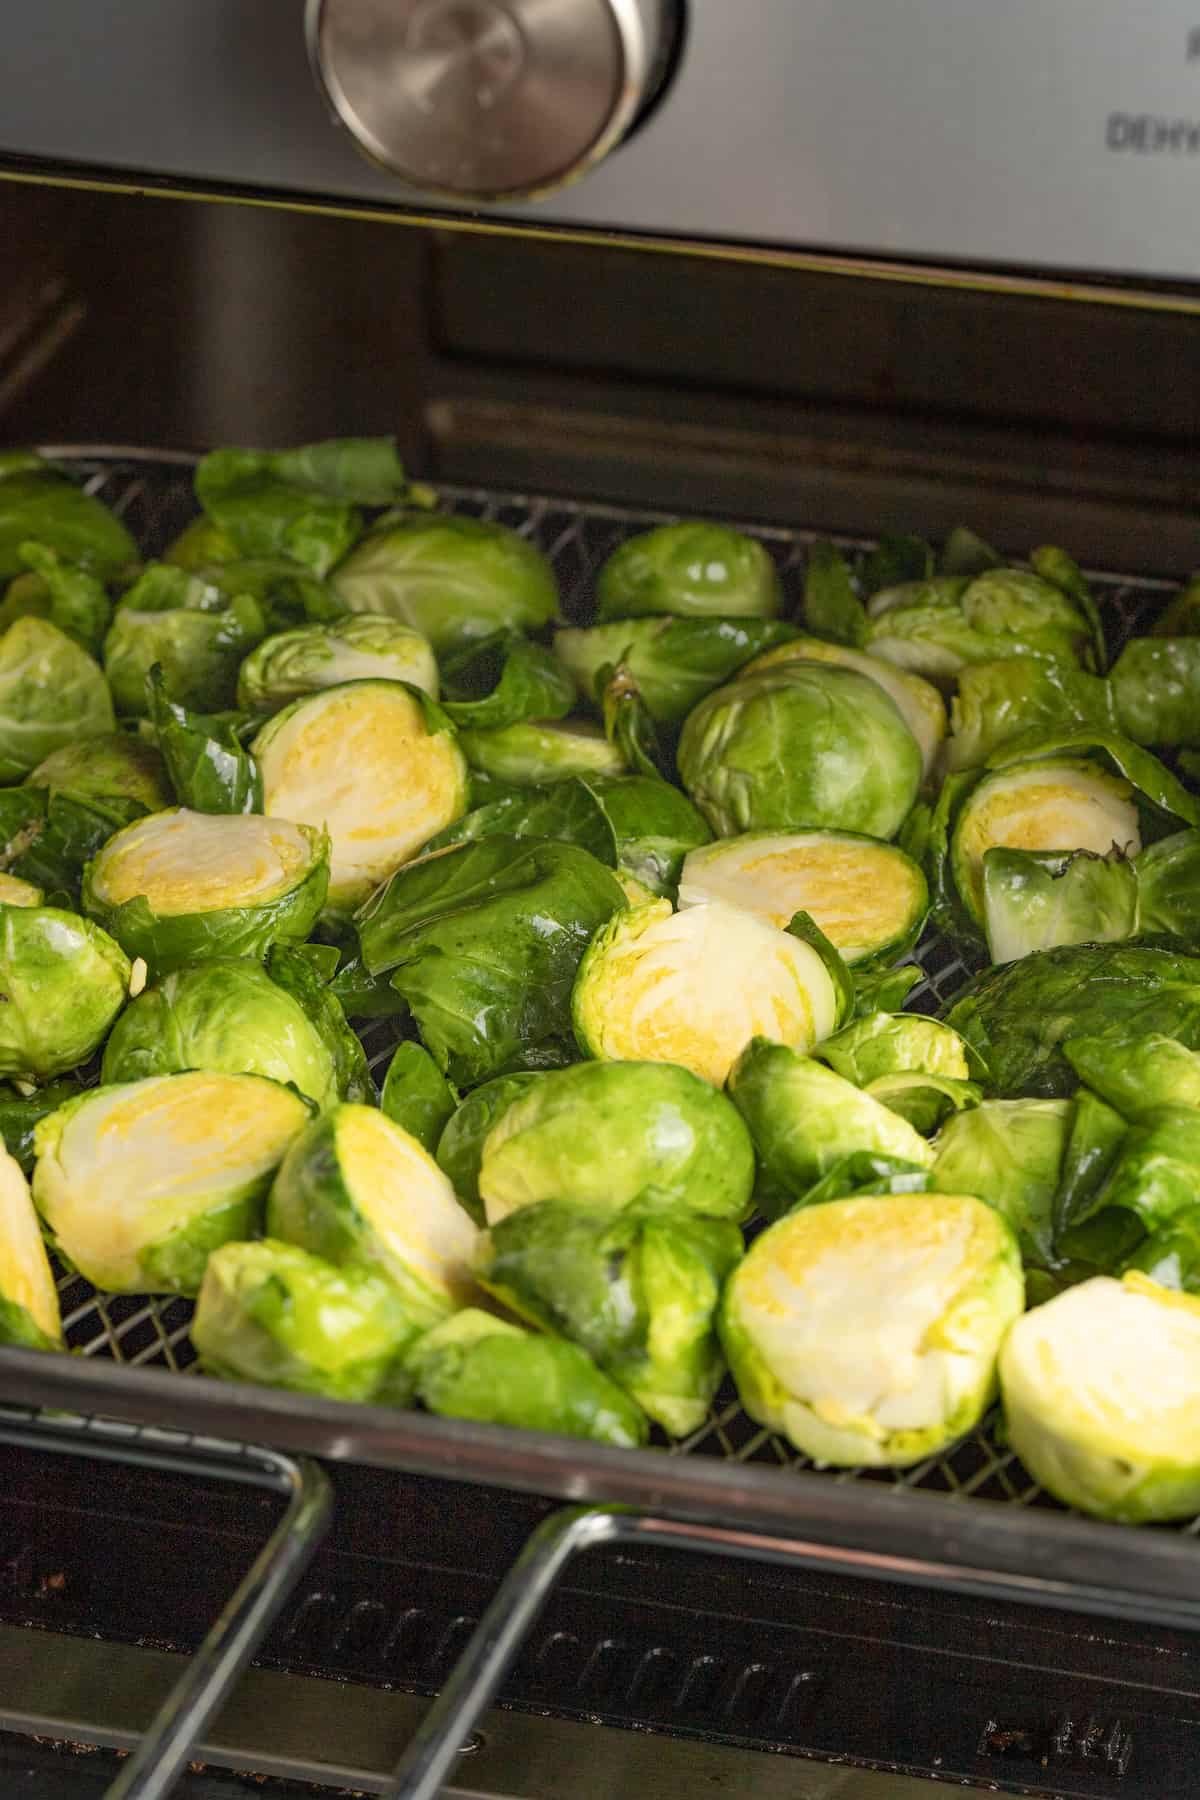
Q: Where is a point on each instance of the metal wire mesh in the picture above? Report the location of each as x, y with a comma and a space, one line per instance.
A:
153, 494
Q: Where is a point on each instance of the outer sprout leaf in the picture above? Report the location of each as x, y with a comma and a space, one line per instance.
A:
832, 609
417, 1095
503, 679
210, 769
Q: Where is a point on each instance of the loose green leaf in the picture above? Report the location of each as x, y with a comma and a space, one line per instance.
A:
503, 679
70, 597
417, 1095
832, 608
210, 769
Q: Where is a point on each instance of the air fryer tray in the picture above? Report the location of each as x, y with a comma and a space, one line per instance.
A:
971, 1519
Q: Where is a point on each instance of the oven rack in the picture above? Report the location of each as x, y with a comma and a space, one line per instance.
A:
730, 1479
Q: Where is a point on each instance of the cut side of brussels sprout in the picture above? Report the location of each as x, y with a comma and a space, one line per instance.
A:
1100, 1391
694, 569
606, 1134
865, 1331
360, 1191
695, 987
360, 647
868, 898
538, 750
29, 1315
1066, 805
62, 983
138, 1184
919, 703
15, 892
179, 885
272, 1313
371, 765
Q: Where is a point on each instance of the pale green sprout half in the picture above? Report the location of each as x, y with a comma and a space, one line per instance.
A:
695, 987
865, 1331
15, 892
360, 647
1100, 1389
29, 1315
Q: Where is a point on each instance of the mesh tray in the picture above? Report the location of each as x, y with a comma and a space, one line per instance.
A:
152, 493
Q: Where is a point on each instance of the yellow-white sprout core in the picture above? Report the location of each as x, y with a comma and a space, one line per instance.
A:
190, 862
407, 1200
25, 1277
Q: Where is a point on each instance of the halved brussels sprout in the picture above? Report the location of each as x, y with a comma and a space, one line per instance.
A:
359, 1191
538, 750
1037, 899
138, 1184
179, 885
694, 987
637, 1289
271, 1312
460, 1146
475, 1366
355, 648
606, 1134
451, 578
939, 626
801, 745
674, 662
919, 703
483, 942
107, 766
1059, 804
1155, 686
1009, 1153
29, 1315
884, 1043
865, 1331
804, 1118
375, 765
40, 505
301, 503
1135, 1073
1099, 1390
998, 703
226, 1015
15, 892
52, 693
62, 983
694, 569
868, 898
195, 632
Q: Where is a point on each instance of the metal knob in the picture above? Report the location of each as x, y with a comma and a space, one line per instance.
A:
488, 99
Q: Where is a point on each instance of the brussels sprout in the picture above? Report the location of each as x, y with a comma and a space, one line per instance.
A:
832, 607
926, 1101
356, 1189
503, 680
226, 1015
803, 1118
1099, 1393
1009, 1153
1168, 883
866, 1330
693, 569
417, 1096
483, 942
62, 983
1037, 899
1171, 1257
197, 633
52, 693
70, 597
674, 662
637, 1289
111, 765
869, 899
606, 1134
39, 505
300, 503
201, 546
301, 971
998, 703
179, 886
364, 648
451, 578
460, 1147
29, 1315
800, 745
209, 769
539, 750
1134, 1074
478, 1367
918, 702
137, 1184
1155, 686
883, 1043
270, 1312
940, 626
375, 763
1017, 1017
694, 987
15, 892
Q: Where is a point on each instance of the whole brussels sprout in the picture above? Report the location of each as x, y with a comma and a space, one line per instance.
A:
674, 662
179, 885
1155, 686
695, 569
110, 765
542, 750
62, 983
695, 987
29, 1315
196, 633
270, 1312
137, 1184
475, 1366
451, 578
605, 1134
52, 693
866, 1330
460, 1146
373, 763
939, 626
637, 1289
39, 505
354, 648
1099, 1392
802, 745
919, 703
